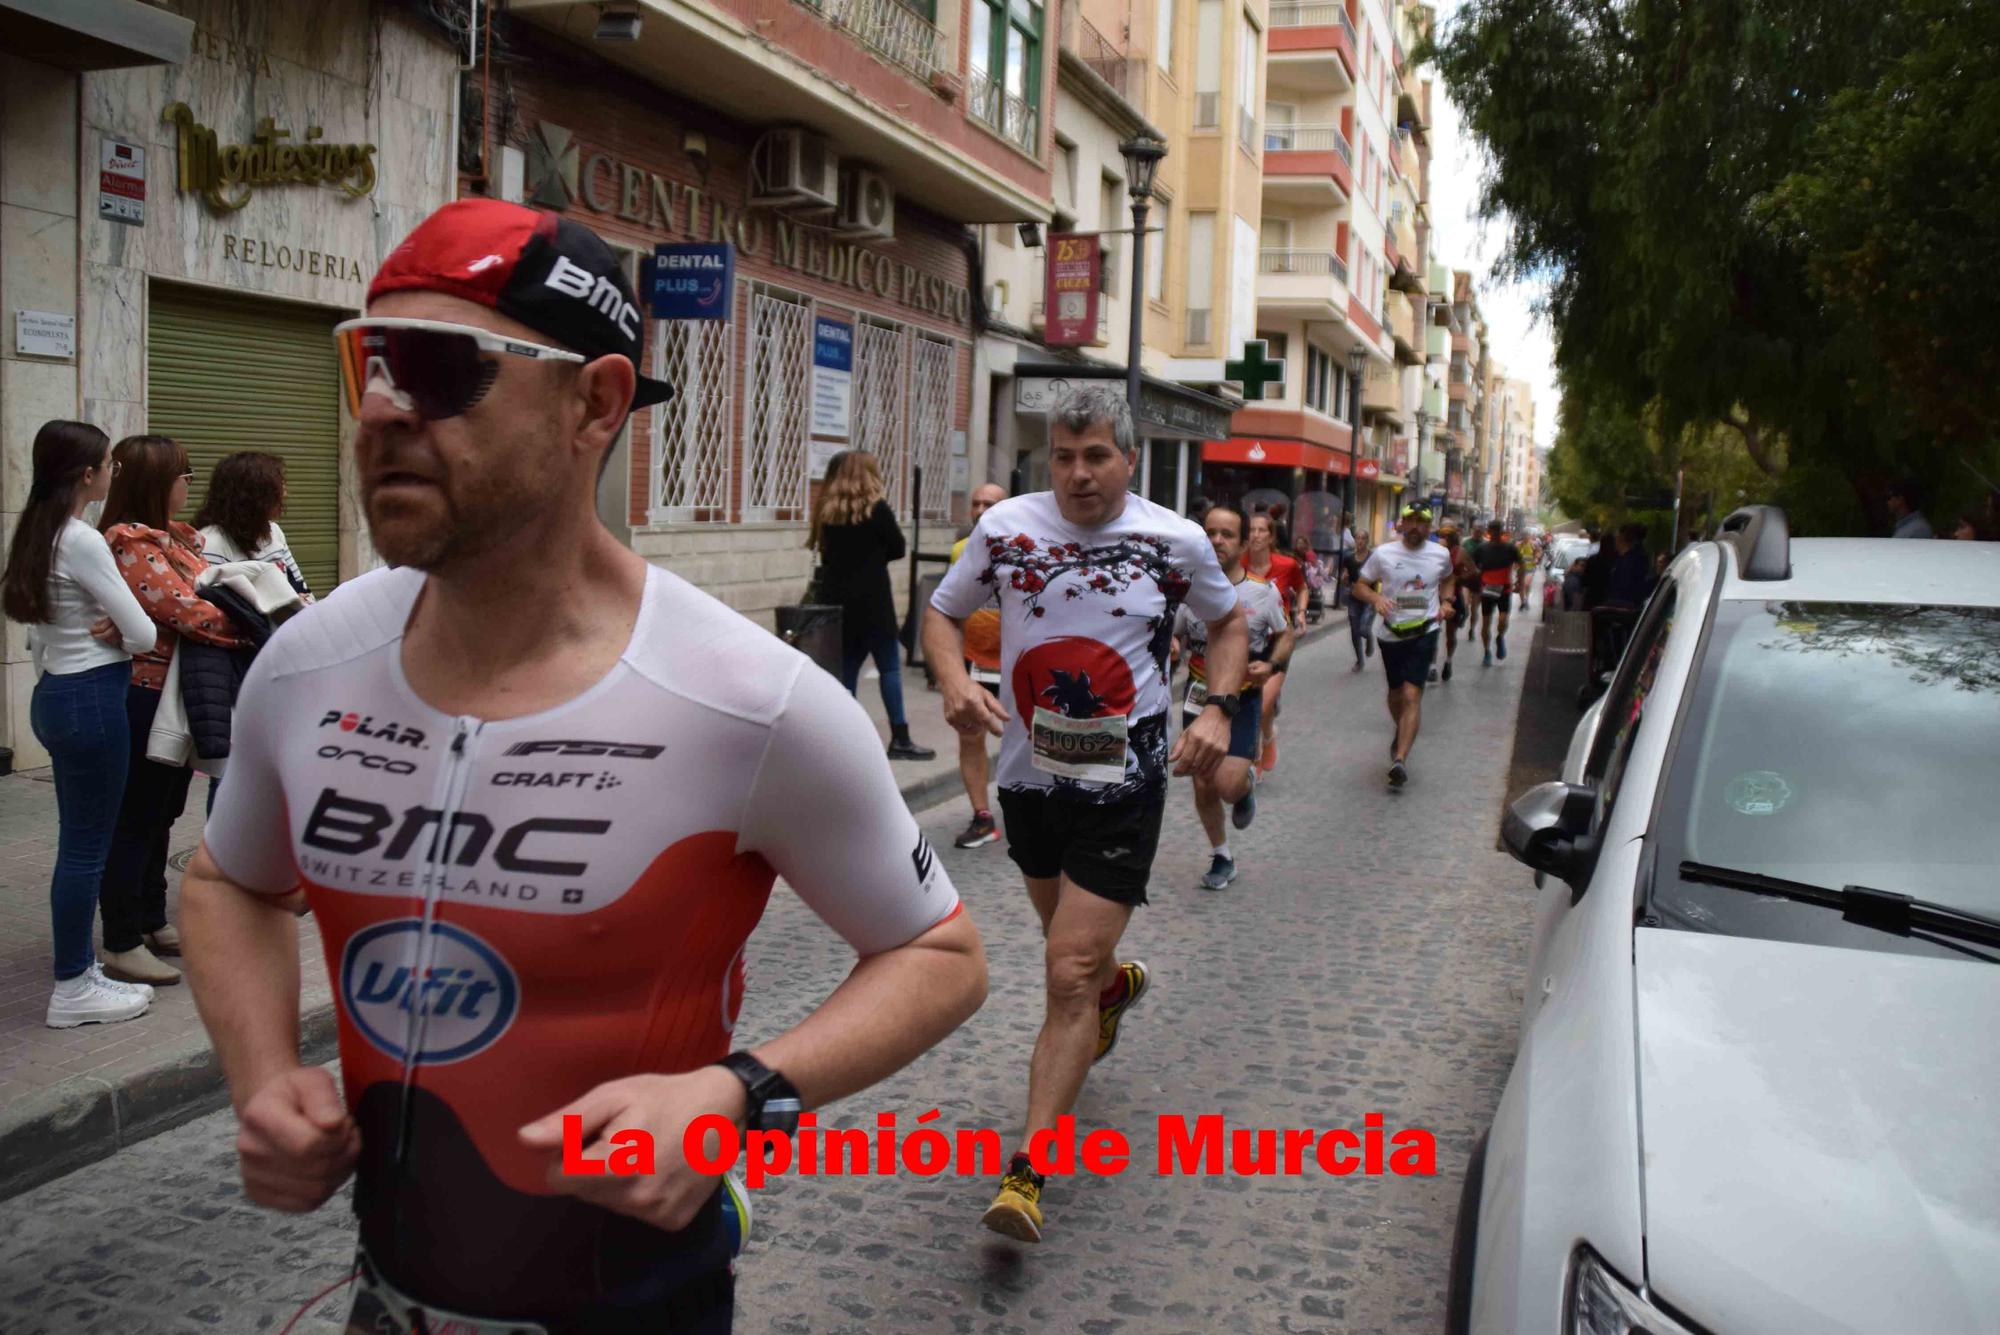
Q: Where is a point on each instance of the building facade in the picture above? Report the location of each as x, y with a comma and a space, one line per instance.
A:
841, 154
196, 193
1094, 118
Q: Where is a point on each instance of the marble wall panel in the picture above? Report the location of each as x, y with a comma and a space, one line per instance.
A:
37, 136
31, 392
116, 418
114, 330
37, 264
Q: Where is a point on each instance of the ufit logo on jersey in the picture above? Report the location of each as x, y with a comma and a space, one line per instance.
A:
469, 991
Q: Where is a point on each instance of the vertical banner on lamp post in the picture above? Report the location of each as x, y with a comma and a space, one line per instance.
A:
1069, 299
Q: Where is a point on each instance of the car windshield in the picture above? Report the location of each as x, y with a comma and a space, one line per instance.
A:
1837, 744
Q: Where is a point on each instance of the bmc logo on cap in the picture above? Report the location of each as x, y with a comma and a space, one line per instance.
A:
468, 991
600, 294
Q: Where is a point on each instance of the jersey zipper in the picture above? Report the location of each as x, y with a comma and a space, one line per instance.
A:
452, 784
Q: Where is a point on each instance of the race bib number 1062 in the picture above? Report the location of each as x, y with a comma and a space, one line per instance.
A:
1088, 749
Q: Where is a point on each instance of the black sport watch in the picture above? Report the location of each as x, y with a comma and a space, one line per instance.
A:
1228, 704
770, 1102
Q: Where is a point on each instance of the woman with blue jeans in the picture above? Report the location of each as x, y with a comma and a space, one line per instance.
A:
857, 537
62, 581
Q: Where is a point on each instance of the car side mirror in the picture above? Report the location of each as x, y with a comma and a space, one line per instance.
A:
1548, 828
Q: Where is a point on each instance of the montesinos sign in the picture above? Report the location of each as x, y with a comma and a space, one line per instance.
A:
561, 175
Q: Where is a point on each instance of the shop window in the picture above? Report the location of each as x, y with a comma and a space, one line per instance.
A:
691, 483
933, 407
778, 406
881, 404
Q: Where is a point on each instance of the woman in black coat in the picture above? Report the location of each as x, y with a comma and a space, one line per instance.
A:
856, 535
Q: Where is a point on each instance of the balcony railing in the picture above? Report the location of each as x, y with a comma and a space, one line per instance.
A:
1197, 326
1302, 261
1297, 138
1207, 110
1246, 130
1096, 51
893, 31
1285, 14
1018, 122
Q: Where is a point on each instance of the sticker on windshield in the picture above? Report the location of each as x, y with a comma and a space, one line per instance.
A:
1758, 792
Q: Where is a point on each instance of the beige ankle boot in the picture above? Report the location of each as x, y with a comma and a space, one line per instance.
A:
166, 941
139, 965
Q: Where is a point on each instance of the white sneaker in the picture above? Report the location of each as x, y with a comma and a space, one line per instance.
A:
86, 1000
136, 989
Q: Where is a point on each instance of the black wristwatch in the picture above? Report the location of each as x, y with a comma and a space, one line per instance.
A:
1228, 704
770, 1102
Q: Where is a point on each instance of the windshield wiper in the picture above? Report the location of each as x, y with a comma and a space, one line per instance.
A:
1882, 909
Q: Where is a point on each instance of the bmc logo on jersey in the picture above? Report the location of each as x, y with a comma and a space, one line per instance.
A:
466, 999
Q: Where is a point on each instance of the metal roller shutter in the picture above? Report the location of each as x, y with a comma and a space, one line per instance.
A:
228, 373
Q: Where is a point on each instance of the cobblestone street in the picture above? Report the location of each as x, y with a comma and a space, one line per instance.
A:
1367, 959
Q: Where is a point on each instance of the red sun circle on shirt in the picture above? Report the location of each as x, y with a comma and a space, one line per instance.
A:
1075, 676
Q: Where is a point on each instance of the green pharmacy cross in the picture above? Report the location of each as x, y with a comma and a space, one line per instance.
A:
1255, 370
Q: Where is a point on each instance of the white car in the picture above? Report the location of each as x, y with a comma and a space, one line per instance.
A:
1758, 1082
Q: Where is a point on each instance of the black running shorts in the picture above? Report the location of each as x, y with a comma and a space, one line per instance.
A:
1246, 730
1408, 662
1106, 848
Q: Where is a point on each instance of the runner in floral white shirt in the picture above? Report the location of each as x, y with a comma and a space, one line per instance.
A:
1089, 579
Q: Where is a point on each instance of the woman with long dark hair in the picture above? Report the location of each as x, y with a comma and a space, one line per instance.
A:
160, 558
856, 535
238, 518
62, 582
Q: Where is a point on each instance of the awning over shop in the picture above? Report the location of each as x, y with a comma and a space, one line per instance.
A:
1167, 411
1278, 454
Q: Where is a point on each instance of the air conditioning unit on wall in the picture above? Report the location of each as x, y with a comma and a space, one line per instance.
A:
794, 168
867, 204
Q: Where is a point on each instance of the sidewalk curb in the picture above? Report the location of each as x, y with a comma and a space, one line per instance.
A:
87, 1118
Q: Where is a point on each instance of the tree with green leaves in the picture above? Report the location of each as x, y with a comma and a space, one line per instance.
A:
1675, 170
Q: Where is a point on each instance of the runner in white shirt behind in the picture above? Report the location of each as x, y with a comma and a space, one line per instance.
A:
1235, 780
1089, 579
1414, 592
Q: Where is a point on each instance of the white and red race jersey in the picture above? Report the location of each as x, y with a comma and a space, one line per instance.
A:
1086, 620
517, 911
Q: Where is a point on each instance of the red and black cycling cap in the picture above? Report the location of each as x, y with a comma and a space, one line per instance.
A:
553, 275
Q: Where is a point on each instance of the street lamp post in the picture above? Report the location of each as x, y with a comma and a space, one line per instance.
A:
1357, 362
1142, 158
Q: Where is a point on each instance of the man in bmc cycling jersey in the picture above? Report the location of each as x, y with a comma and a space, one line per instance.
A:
536, 792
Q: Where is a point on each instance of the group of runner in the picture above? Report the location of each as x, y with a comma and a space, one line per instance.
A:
543, 841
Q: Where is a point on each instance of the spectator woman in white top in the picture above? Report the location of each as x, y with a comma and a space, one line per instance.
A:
238, 518
62, 582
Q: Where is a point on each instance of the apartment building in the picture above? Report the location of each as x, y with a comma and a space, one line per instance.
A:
1339, 257
1520, 483
1095, 115
837, 151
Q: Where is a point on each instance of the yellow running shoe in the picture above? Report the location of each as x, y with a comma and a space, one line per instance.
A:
1136, 978
1017, 1210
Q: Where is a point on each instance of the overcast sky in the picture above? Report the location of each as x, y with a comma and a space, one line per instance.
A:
1520, 340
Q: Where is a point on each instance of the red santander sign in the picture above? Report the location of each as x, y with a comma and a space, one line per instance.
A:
1070, 294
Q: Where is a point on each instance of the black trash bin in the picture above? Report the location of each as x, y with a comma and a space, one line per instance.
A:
814, 630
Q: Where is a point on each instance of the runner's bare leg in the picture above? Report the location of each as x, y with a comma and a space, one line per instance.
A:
1082, 957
